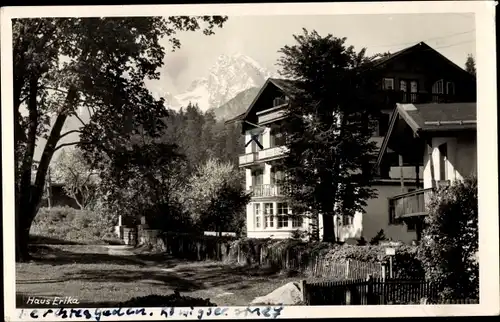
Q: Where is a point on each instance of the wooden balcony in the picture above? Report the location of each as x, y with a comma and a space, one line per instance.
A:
266, 190
410, 204
270, 115
392, 97
248, 158
272, 153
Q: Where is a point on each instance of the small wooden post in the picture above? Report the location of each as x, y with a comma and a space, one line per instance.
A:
383, 273
347, 270
303, 284
390, 266
369, 289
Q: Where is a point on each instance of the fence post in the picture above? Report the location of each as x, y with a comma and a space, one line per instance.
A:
347, 269
369, 289
383, 273
303, 289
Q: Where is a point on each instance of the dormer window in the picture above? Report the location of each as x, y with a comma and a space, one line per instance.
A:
388, 84
280, 100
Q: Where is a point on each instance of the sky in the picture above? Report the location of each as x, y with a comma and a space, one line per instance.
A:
260, 37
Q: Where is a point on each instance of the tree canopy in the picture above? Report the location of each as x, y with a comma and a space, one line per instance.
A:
470, 65
98, 64
328, 129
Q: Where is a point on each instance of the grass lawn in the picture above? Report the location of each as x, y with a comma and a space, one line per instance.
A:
95, 277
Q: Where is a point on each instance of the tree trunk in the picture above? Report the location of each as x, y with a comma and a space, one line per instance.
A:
30, 196
328, 228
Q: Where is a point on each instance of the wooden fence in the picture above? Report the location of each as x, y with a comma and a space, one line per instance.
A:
287, 259
375, 291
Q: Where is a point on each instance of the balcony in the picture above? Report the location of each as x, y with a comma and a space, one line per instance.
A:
266, 190
393, 97
410, 204
248, 158
408, 172
272, 153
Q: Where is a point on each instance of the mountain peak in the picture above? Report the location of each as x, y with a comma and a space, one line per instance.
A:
229, 75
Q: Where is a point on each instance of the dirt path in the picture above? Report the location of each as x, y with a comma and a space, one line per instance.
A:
120, 250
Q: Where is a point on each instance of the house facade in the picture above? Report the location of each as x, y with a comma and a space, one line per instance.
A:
442, 139
418, 75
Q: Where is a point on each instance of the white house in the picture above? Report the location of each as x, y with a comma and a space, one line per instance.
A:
439, 137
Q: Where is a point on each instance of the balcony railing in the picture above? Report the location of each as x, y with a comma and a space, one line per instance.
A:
270, 153
271, 116
248, 158
410, 204
392, 97
266, 190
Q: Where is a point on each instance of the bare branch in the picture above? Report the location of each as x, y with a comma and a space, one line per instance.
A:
69, 132
80, 119
56, 89
65, 144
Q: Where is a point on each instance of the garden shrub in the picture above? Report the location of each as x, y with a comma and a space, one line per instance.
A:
73, 225
450, 240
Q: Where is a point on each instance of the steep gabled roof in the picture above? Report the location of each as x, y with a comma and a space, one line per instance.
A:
285, 85
417, 47
432, 118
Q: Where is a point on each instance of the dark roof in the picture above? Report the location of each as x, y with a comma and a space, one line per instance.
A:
431, 118
287, 86
439, 117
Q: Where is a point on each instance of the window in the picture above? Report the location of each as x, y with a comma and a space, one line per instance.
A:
450, 88
282, 214
388, 84
402, 86
414, 87
257, 213
437, 88
276, 175
347, 220
258, 177
268, 213
297, 221
410, 225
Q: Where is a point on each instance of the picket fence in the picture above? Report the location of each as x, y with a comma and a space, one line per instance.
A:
287, 259
375, 291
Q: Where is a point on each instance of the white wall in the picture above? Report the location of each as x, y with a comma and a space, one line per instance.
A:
461, 161
376, 216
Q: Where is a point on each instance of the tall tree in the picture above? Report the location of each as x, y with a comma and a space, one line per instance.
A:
327, 129
62, 65
449, 246
77, 176
470, 65
216, 197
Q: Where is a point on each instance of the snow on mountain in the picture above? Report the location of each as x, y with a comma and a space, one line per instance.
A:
229, 76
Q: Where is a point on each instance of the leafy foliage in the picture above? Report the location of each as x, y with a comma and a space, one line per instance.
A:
73, 225
470, 65
79, 181
380, 236
450, 240
328, 126
99, 64
216, 197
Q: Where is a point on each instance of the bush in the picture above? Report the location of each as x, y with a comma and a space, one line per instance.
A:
450, 240
380, 236
74, 225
